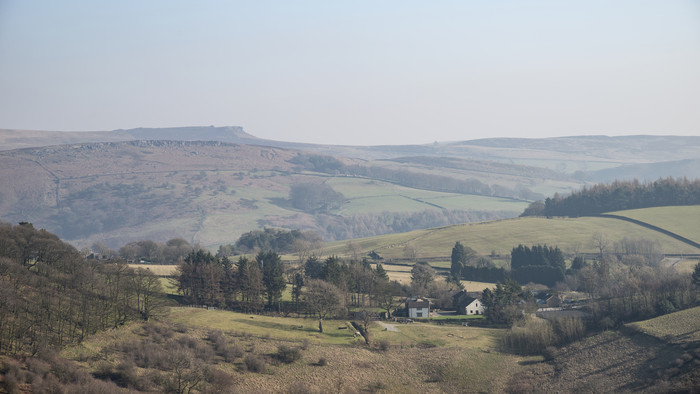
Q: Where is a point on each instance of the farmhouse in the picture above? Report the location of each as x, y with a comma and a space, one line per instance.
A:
417, 307
467, 304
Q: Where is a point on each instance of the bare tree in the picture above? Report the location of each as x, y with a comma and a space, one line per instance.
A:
323, 299
353, 250
601, 242
410, 251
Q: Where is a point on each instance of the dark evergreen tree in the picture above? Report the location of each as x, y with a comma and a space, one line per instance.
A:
313, 268
272, 269
250, 283
459, 260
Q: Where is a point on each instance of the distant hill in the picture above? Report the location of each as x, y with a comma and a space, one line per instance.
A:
591, 158
211, 184
212, 192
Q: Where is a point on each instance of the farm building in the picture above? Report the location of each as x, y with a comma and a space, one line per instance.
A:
417, 307
467, 304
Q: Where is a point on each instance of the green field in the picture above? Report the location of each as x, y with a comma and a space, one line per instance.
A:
683, 220
682, 326
287, 328
367, 196
571, 235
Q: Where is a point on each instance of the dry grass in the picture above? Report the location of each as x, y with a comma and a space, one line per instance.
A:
157, 269
420, 358
286, 328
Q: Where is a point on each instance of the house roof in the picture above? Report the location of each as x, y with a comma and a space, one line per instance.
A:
463, 298
417, 303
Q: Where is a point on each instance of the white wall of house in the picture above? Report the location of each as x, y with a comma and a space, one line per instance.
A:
475, 308
418, 312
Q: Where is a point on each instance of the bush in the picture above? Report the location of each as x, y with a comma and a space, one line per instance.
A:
531, 338
232, 352
287, 354
254, 363
384, 345
322, 362
569, 329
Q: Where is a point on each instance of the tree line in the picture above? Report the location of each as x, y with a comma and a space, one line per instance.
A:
335, 227
282, 241
50, 295
617, 196
330, 165
319, 287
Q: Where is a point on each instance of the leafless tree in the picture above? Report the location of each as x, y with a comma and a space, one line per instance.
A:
323, 299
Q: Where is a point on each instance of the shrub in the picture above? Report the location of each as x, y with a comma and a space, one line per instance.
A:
158, 332
287, 354
94, 386
299, 388
218, 381
255, 363
569, 329
232, 352
531, 338
38, 366
384, 345
48, 384
322, 362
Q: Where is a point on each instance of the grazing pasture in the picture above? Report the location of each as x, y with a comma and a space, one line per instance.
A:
682, 220
681, 326
570, 234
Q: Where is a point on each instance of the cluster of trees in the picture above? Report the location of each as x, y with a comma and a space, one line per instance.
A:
319, 287
205, 279
51, 296
619, 195
505, 304
282, 241
170, 252
108, 206
334, 227
315, 197
468, 265
319, 163
629, 287
331, 165
539, 264
438, 182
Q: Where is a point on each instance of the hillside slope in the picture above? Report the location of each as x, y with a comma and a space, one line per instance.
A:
211, 192
593, 158
572, 235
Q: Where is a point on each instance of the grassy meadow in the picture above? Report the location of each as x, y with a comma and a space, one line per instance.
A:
286, 328
682, 220
677, 327
570, 234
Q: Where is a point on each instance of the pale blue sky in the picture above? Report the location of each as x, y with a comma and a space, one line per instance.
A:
354, 72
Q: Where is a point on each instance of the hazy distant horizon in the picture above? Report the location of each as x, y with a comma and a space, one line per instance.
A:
360, 73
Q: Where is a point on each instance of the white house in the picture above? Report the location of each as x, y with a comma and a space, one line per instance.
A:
475, 307
417, 307
468, 304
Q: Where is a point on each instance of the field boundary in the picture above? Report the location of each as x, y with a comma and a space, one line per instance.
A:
651, 227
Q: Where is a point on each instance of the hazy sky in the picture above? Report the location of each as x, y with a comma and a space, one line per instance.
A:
354, 72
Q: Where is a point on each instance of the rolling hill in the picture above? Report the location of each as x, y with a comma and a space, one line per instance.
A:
572, 235
210, 184
211, 192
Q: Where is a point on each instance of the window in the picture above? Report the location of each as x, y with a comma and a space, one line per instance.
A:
419, 314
